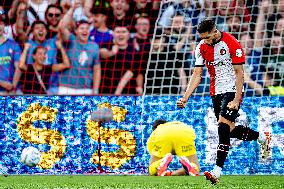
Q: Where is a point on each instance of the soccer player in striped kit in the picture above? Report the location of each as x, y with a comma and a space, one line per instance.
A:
223, 56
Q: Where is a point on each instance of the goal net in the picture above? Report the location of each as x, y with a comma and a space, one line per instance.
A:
137, 60
257, 25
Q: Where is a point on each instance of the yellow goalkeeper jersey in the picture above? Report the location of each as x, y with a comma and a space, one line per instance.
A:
172, 137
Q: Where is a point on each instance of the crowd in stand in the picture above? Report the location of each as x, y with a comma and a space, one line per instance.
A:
102, 47
258, 25
78, 47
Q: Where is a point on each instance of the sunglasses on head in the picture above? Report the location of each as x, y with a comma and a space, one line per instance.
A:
52, 15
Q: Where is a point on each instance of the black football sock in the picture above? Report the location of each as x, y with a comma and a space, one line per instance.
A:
244, 133
224, 144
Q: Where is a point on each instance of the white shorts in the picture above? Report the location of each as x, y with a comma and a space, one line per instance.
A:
72, 91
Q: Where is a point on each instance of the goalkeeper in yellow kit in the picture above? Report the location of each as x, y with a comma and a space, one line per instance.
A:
168, 139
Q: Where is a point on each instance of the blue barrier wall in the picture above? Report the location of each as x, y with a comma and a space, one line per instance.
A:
72, 144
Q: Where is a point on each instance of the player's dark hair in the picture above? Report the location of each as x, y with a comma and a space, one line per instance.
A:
158, 122
206, 25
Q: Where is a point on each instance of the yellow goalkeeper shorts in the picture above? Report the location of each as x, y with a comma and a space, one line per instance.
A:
172, 137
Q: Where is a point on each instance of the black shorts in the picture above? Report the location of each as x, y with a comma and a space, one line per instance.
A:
220, 103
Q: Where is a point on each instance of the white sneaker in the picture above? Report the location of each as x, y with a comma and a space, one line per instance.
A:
265, 146
217, 171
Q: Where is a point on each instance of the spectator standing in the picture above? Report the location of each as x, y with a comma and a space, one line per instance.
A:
36, 9
220, 10
53, 15
179, 35
84, 75
189, 9
36, 76
178, 40
273, 54
163, 75
273, 11
234, 26
116, 62
101, 34
9, 58
271, 84
142, 44
39, 31
253, 69
143, 8
273, 51
20, 29
118, 16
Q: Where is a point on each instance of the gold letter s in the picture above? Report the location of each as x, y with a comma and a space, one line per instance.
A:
53, 138
124, 139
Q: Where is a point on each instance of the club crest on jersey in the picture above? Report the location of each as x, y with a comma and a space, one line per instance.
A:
222, 51
239, 53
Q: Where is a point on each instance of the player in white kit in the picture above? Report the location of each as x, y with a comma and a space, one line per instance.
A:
223, 56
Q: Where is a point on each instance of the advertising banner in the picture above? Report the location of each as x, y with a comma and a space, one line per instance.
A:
71, 143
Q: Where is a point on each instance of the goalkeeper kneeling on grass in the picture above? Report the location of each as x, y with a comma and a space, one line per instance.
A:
168, 139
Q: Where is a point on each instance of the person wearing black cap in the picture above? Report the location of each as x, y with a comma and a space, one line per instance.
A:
101, 34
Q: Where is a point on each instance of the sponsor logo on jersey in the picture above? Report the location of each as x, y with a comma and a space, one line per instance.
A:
222, 51
198, 55
239, 53
217, 63
211, 63
5, 60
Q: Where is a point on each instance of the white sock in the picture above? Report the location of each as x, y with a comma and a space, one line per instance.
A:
261, 137
217, 171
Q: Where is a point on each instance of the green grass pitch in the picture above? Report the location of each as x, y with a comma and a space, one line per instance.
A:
137, 182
